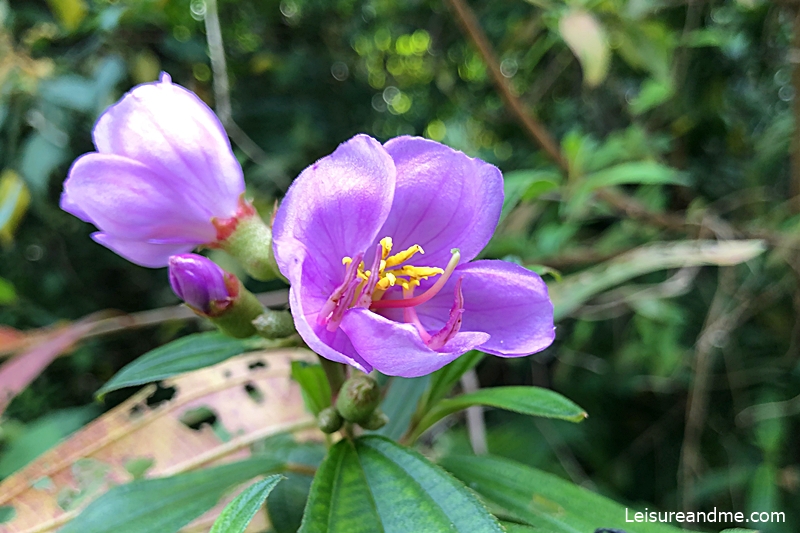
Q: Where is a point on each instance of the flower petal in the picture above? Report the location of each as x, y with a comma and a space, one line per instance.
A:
172, 131
443, 200
307, 295
130, 201
336, 207
503, 299
146, 254
396, 349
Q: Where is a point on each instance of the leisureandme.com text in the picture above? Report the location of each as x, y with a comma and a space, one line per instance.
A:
700, 517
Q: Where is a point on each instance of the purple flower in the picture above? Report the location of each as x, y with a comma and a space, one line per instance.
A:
377, 242
200, 283
162, 171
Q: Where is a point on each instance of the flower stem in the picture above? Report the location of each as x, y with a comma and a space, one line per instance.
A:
335, 373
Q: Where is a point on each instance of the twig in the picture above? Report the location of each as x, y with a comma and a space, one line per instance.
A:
107, 325
476, 427
466, 17
222, 95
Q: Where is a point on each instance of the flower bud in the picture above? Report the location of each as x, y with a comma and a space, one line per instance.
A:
329, 420
203, 285
359, 397
376, 420
214, 294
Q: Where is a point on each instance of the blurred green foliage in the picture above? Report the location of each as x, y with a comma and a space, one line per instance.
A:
684, 108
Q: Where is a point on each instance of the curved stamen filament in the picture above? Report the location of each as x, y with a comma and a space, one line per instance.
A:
425, 296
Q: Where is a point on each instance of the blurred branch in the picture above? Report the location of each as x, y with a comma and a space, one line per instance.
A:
100, 323
468, 21
222, 95
476, 427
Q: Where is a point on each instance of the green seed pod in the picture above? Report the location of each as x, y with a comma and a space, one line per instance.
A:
359, 397
329, 420
377, 420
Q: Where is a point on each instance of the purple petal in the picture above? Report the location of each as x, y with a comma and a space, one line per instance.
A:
396, 349
505, 300
443, 200
131, 202
143, 253
175, 134
198, 281
307, 295
335, 207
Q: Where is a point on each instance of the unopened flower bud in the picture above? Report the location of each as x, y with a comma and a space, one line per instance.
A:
359, 397
214, 294
329, 420
274, 324
377, 420
203, 285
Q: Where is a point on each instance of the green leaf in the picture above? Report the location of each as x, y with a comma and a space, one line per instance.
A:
652, 94
534, 401
374, 485
527, 185
400, 404
544, 500
14, 200
635, 172
444, 379
313, 384
183, 355
286, 503
7, 293
40, 157
237, 515
166, 504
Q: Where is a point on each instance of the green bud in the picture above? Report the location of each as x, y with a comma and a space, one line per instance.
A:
377, 420
274, 324
359, 397
329, 420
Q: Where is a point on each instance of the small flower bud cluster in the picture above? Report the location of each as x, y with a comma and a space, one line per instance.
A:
357, 403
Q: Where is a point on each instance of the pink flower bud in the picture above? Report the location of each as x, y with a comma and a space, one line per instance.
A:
200, 283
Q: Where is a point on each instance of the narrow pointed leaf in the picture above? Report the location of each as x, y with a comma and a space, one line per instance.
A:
314, 385
192, 352
374, 485
534, 401
543, 500
165, 504
237, 515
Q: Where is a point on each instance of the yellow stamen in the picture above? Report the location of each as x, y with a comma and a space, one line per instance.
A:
404, 256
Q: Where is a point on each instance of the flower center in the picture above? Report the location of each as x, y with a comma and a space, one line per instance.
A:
366, 288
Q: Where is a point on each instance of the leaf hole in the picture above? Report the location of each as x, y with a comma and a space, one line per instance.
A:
195, 418
258, 363
161, 395
254, 392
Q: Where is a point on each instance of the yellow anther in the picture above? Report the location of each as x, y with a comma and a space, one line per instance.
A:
386, 247
406, 276
403, 256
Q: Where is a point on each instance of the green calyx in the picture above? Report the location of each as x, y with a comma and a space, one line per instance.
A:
250, 242
237, 318
274, 324
358, 398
